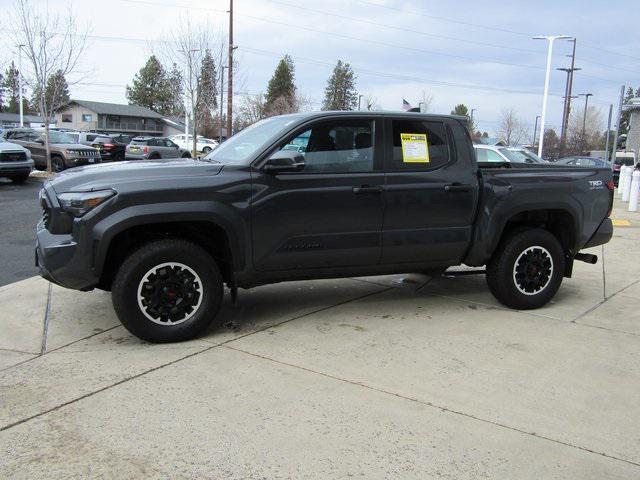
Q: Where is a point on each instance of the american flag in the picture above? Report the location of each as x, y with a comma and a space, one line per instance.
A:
406, 106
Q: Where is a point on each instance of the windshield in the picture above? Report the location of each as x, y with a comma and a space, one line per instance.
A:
515, 156
243, 146
59, 137
532, 156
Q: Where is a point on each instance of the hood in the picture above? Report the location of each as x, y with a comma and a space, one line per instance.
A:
7, 146
72, 146
111, 175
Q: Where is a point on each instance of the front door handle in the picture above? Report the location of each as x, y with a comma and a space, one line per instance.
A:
457, 187
367, 189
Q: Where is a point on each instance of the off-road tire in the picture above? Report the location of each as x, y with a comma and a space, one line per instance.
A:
531, 283
129, 282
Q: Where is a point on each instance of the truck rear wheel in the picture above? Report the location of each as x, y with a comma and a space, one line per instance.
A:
167, 291
527, 269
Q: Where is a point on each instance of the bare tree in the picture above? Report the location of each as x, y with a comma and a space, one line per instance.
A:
371, 102
584, 132
188, 46
53, 45
511, 129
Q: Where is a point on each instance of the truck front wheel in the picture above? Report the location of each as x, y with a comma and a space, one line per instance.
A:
167, 291
526, 270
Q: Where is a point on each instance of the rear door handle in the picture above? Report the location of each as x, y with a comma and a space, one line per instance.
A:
367, 189
457, 187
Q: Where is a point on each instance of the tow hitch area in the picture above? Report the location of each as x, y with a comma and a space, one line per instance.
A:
587, 258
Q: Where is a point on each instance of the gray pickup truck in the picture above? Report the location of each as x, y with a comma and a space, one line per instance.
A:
362, 194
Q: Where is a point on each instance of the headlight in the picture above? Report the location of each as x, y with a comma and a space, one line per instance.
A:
28, 153
79, 203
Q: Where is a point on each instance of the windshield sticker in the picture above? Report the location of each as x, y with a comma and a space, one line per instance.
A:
415, 148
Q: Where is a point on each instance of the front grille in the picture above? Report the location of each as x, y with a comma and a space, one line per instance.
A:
13, 156
46, 210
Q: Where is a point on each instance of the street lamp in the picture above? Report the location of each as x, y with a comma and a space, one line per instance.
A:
584, 117
359, 99
535, 129
221, 102
20, 83
550, 39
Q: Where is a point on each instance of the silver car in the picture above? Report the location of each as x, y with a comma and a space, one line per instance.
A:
490, 153
143, 148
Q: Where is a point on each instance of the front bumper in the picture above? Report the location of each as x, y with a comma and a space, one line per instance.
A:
602, 235
15, 168
81, 161
60, 260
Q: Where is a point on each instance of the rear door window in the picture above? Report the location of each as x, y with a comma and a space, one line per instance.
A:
419, 145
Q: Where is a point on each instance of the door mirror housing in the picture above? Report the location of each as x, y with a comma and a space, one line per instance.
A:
284, 161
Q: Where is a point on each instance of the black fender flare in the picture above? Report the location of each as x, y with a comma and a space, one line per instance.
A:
203, 211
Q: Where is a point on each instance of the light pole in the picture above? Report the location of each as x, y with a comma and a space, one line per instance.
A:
584, 117
535, 129
420, 106
20, 84
550, 39
221, 101
359, 99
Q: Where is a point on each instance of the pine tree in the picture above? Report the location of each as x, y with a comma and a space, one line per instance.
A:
57, 91
341, 93
150, 87
2, 92
281, 90
11, 86
207, 94
174, 104
626, 115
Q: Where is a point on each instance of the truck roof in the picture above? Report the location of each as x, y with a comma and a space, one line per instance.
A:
378, 113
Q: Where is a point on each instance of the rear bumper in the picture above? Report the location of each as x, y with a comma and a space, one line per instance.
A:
602, 235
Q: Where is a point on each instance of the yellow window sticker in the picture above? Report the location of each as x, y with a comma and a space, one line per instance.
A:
415, 148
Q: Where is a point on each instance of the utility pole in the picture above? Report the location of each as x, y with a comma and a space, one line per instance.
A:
566, 111
550, 39
221, 101
606, 147
359, 99
535, 129
615, 138
230, 71
584, 118
20, 84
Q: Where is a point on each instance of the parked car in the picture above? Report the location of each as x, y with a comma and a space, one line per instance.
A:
583, 161
622, 158
204, 145
112, 147
373, 193
498, 154
530, 157
65, 152
142, 148
15, 162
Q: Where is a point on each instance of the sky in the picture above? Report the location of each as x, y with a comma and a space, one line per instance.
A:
477, 53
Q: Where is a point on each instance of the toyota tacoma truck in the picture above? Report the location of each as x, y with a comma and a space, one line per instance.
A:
362, 194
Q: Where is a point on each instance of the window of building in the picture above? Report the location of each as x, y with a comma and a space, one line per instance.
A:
87, 117
67, 118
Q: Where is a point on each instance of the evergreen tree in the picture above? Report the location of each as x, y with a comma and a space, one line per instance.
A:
281, 90
341, 93
11, 87
626, 115
2, 92
57, 91
150, 87
174, 104
460, 109
207, 94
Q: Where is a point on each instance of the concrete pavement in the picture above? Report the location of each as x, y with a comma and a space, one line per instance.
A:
379, 377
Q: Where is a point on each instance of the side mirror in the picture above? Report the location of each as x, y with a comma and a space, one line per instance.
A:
284, 161
39, 140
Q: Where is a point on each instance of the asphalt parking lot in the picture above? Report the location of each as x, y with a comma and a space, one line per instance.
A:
383, 377
18, 216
